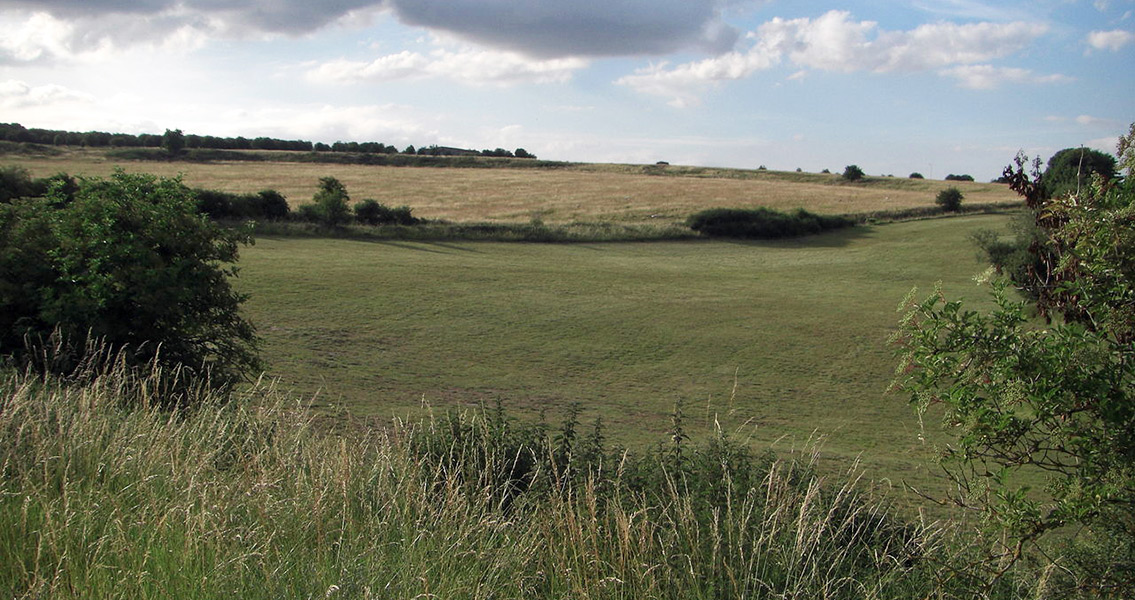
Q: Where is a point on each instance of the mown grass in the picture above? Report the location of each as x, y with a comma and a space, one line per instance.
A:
105, 496
583, 193
785, 339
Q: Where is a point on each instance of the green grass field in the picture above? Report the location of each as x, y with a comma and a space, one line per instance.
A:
783, 340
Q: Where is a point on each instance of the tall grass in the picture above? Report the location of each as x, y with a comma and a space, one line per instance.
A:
105, 495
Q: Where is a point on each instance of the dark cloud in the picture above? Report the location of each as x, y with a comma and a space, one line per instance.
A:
274, 16
577, 27
540, 28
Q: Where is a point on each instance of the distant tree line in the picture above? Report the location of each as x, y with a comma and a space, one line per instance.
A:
14, 132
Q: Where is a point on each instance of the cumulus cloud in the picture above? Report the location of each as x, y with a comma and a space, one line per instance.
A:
834, 42
473, 66
987, 77
550, 28
1110, 40
19, 94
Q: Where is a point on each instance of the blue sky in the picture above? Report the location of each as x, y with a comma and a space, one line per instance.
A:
938, 87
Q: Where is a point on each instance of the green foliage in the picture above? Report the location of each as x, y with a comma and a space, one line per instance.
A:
852, 173
15, 182
266, 204
329, 205
916, 175
173, 141
952, 177
763, 223
1058, 400
371, 212
950, 199
1071, 169
130, 263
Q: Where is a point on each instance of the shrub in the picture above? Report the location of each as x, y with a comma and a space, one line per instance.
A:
852, 173
129, 264
371, 212
329, 205
950, 199
762, 223
916, 175
271, 204
952, 177
1056, 401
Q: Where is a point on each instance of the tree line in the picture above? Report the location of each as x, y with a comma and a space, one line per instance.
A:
17, 133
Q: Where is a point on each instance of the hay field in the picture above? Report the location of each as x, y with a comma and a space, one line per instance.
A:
579, 193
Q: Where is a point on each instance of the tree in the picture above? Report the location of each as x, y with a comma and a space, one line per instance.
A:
329, 204
950, 199
173, 141
1070, 170
1055, 400
852, 173
127, 264
916, 175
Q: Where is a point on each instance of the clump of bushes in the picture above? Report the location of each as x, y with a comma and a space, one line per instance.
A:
763, 223
266, 204
371, 212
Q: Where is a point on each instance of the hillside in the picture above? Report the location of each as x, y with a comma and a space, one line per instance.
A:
504, 190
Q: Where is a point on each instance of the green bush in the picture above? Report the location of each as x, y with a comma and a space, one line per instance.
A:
329, 205
127, 263
763, 223
950, 199
853, 173
371, 212
266, 204
1054, 401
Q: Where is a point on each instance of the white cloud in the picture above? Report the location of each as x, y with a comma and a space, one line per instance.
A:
1110, 40
987, 77
467, 65
833, 42
18, 94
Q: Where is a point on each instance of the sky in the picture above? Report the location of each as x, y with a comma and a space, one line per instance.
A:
931, 86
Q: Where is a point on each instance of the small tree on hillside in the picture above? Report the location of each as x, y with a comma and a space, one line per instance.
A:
852, 173
950, 199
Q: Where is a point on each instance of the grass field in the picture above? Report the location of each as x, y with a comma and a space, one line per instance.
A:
618, 193
788, 337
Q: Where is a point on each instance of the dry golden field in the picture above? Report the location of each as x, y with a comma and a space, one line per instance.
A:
581, 193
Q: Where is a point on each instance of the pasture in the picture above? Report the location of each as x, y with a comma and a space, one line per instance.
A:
576, 193
779, 341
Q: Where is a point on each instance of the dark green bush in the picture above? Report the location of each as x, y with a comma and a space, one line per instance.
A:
129, 265
950, 199
763, 223
266, 204
371, 212
853, 173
